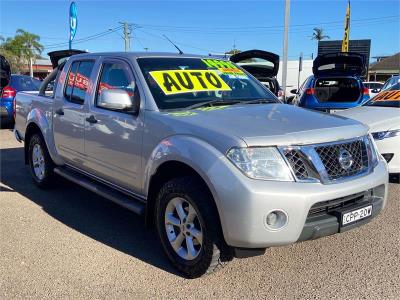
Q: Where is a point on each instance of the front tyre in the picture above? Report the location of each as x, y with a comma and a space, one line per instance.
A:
188, 227
40, 163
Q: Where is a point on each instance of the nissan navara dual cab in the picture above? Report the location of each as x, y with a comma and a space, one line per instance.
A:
204, 150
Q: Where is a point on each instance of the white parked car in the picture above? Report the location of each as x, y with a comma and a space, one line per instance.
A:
382, 115
374, 87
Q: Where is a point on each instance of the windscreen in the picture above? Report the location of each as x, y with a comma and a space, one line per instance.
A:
182, 82
387, 98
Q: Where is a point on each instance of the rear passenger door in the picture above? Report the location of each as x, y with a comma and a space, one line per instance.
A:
113, 138
69, 112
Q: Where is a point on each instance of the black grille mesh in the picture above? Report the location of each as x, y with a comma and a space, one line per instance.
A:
329, 156
297, 164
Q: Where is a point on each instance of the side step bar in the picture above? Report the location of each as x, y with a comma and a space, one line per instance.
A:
115, 196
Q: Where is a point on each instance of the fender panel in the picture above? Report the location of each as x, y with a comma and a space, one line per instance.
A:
197, 154
41, 119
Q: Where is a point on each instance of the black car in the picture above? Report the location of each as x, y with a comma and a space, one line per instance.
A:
262, 65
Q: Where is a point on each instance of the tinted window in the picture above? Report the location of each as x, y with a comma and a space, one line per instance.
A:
78, 80
70, 80
25, 83
115, 76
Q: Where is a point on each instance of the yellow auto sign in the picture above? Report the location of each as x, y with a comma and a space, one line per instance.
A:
393, 95
186, 81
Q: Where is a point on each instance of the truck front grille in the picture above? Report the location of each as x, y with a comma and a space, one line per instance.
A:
329, 162
330, 156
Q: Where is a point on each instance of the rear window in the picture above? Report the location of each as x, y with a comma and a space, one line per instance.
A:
337, 89
77, 81
25, 83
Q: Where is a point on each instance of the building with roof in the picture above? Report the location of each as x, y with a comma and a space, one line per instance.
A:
41, 68
385, 68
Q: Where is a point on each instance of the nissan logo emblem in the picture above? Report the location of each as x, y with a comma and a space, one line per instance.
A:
345, 159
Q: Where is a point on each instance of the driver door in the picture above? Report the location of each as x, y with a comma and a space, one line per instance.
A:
113, 138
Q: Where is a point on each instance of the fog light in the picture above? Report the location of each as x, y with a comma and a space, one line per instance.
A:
272, 218
276, 219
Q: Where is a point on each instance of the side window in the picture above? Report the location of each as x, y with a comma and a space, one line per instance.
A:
70, 80
78, 80
115, 76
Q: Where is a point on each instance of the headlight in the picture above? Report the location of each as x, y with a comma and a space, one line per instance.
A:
385, 134
260, 163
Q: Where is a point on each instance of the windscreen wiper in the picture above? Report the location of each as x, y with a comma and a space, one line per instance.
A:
213, 103
258, 101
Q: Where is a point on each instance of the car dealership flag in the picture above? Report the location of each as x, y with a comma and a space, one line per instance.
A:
345, 43
73, 22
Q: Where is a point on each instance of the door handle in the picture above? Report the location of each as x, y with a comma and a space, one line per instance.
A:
91, 119
60, 112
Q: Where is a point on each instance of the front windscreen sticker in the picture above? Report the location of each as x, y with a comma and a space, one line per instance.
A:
393, 95
223, 66
187, 81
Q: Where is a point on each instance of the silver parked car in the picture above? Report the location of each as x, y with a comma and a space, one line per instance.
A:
207, 153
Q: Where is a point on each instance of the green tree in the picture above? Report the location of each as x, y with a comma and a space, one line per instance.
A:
23, 48
318, 34
31, 46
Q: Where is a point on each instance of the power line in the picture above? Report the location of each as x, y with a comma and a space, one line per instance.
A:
148, 26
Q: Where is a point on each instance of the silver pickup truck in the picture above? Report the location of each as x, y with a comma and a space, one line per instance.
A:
203, 150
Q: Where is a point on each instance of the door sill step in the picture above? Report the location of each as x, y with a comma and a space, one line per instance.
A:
100, 189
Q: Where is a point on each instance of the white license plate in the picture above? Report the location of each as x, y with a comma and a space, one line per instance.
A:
333, 111
356, 215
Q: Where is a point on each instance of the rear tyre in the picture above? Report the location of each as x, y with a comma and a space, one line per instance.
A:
189, 229
40, 163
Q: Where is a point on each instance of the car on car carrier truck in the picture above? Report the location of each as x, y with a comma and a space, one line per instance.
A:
203, 150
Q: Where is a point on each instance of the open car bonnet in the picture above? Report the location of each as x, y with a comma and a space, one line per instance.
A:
340, 63
57, 57
260, 64
5, 72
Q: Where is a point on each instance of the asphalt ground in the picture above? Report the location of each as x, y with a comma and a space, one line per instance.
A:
70, 243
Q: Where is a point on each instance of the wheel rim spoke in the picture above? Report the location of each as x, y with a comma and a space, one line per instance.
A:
197, 235
191, 251
191, 214
177, 243
170, 219
181, 212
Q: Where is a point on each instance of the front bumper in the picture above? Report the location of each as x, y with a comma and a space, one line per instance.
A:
245, 203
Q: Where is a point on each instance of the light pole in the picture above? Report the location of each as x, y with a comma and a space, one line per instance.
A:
285, 44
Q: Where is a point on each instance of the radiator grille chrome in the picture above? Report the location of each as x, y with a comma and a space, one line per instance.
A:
330, 156
296, 162
329, 162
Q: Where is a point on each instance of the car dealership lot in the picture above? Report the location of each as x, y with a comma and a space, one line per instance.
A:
68, 242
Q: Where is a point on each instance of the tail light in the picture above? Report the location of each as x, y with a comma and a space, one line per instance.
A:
365, 91
310, 91
9, 92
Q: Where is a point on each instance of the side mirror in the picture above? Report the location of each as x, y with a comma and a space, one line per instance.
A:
118, 99
294, 91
